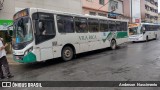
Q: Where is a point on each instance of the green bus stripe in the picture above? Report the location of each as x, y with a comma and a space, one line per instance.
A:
122, 34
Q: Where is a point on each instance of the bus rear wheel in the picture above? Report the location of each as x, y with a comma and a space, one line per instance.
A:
67, 53
113, 44
156, 37
147, 39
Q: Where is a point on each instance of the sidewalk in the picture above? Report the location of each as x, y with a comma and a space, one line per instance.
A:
10, 59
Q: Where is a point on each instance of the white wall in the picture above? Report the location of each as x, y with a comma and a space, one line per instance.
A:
136, 10
10, 6
73, 6
8, 10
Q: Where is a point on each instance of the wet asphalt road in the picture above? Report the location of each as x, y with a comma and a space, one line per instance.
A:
130, 62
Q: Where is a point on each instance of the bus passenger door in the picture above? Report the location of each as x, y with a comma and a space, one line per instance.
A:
45, 32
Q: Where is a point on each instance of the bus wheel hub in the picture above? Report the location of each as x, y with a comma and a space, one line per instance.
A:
67, 53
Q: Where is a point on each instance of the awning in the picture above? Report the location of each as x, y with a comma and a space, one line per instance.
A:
5, 23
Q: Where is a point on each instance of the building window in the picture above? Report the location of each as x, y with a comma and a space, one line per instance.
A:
156, 4
147, 15
92, 13
89, 0
114, 5
101, 2
102, 14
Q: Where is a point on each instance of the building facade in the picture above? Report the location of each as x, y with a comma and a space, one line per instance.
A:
108, 8
141, 10
159, 18
95, 7
149, 11
115, 9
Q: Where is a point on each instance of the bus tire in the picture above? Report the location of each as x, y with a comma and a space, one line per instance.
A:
113, 44
147, 39
155, 36
67, 53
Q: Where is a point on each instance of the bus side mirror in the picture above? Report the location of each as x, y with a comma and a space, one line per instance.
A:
143, 30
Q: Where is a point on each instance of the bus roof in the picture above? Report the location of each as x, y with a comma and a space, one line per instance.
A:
138, 24
150, 23
73, 14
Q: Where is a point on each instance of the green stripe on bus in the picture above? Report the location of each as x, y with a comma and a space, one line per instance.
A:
107, 38
29, 58
122, 34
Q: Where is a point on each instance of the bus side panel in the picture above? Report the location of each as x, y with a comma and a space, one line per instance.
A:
121, 37
45, 49
104, 39
69, 39
57, 51
37, 53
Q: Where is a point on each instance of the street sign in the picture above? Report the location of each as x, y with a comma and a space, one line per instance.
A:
112, 15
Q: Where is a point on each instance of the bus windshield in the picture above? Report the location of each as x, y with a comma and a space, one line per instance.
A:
22, 31
133, 31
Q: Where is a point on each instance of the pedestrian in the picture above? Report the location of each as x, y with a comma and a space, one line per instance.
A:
3, 61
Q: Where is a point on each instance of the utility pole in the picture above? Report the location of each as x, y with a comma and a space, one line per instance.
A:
131, 12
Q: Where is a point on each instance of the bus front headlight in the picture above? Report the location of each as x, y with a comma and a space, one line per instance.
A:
27, 51
30, 49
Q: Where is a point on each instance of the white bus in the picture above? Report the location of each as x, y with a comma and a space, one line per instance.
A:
41, 34
143, 31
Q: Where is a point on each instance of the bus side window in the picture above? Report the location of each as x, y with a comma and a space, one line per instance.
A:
93, 25
118, 25
112, 26
65, 24
104, 25
124, 26
44, 25
81, 25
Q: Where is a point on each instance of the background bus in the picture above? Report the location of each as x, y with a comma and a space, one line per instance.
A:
41, 34
143, 31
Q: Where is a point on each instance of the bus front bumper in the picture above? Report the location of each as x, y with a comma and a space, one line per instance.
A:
138, 38
29, 58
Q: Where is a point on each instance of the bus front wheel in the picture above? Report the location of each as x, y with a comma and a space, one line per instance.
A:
67, 53
113, 44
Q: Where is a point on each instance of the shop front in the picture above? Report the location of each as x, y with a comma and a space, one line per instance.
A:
4, 24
